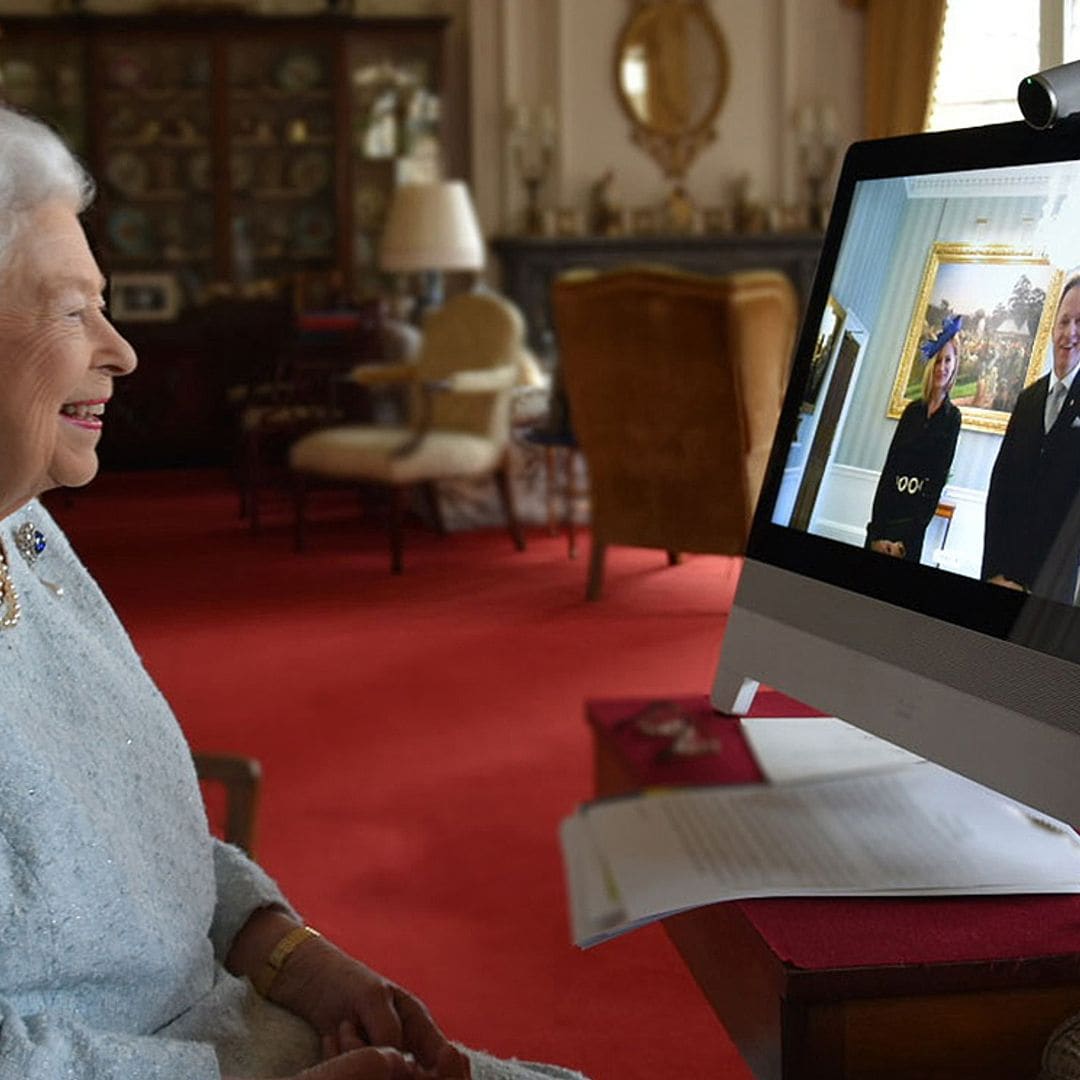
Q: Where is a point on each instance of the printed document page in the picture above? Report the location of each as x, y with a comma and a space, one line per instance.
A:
813, 747
912, 831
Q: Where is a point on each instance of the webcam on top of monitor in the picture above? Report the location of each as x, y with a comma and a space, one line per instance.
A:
1051, 95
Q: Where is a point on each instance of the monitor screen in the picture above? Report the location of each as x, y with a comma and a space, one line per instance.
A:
918, 530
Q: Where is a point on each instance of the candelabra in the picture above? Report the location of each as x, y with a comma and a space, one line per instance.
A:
532, 145
815, 129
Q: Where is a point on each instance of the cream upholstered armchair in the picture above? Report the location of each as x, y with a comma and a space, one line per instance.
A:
675, 382
459, 417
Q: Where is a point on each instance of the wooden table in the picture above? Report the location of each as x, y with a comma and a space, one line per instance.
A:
920, 989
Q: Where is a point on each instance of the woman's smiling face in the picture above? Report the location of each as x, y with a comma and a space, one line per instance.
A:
59, 355
945, 366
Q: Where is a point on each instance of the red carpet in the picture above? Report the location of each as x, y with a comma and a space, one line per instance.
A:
421, 737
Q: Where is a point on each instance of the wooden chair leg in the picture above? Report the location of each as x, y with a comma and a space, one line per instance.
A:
570, 494
299, 491
240, 472
506, 493
551, 488
595, 584
399, 500
240, 469
251, 481
431, 498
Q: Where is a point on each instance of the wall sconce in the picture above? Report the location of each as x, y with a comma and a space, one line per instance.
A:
431, 228
532, 146
816, 138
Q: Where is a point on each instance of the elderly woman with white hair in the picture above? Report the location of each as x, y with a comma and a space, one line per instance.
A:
133, 945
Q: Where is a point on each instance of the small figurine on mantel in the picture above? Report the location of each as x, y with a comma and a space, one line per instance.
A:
680, 213
750, 213
605, 216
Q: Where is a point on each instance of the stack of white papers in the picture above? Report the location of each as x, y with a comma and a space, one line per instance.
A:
815, 747
910, 830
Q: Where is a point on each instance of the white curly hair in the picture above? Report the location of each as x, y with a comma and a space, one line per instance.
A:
35, 167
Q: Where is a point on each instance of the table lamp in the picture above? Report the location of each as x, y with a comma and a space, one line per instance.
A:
431, 228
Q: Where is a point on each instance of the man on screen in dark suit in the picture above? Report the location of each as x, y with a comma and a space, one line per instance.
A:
1037, 473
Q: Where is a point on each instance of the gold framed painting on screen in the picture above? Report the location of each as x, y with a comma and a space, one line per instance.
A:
1006, 297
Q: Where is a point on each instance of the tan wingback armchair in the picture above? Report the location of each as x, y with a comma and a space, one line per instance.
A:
675, 382
460, 385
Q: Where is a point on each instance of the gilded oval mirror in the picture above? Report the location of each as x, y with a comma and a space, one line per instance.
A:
671, 76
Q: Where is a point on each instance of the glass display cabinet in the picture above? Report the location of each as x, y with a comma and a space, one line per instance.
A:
238, 158
234, 151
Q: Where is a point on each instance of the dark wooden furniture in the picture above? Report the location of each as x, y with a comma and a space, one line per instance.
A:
237, 780
235, 156
232, 149
311, 389
888, 989
529, 264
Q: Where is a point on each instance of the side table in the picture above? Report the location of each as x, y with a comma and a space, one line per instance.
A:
859, 989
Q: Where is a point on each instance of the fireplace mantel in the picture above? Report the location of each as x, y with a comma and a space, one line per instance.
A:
529, 264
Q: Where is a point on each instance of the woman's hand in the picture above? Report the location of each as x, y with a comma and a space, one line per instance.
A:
895, 548
371, 1063
350, 1006
1006, 583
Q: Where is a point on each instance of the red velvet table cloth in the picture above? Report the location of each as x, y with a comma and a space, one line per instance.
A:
816, 934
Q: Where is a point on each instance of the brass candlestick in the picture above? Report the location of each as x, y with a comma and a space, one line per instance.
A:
532, 144
815, 129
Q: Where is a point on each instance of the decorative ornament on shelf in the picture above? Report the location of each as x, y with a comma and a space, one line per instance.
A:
606, 216
532, 148
750, 213
681, 215
816, 138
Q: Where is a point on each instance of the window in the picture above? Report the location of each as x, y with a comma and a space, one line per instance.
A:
988, 46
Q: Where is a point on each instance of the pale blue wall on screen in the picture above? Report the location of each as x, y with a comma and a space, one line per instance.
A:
861, 268
923, 222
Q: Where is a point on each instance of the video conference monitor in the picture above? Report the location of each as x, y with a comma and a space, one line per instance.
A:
888, 509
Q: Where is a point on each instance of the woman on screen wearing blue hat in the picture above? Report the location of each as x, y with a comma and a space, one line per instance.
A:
920, 455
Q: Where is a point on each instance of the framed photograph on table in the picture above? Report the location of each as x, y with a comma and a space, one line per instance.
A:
149, 297
1006, 297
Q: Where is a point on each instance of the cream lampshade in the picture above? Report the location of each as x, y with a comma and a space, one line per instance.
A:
431, 228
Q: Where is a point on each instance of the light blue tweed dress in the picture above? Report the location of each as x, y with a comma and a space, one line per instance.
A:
116, 906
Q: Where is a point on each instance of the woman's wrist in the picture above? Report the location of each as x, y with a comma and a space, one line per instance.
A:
266, 946
266, 976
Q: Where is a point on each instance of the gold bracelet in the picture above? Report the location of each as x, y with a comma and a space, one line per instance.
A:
264, 978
